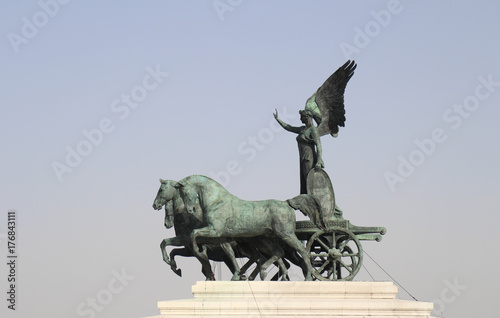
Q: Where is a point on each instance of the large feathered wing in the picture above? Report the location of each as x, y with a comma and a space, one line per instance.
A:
329, 100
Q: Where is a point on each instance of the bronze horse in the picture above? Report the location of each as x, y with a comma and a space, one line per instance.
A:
226, 216
184, 223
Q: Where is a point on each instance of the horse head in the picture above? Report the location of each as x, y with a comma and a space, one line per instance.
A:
164, 197
169, 214
189, 195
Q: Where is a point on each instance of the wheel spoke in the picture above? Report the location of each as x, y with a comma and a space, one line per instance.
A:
330, 272
323, 244
349, 268
322, 268
333, 238
344, 243
350, 254
320, 255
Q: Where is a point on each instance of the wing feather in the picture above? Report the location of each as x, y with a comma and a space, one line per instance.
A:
330, 99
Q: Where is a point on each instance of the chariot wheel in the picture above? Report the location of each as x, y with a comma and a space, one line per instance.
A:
336, 254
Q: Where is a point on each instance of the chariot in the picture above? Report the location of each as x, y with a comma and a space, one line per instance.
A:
336, 251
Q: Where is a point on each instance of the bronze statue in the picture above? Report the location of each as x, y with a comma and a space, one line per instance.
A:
310, 152
326, 108
212, 224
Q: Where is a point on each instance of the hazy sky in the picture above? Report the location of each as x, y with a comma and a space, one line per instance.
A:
101, 99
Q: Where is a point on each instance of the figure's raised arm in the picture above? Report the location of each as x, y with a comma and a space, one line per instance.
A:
286, 126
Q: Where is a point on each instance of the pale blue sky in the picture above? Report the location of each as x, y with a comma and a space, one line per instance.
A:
227, 73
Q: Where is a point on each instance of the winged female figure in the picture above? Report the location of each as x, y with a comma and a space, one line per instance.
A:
326, 108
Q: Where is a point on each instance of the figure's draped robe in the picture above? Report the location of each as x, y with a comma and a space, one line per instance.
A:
308, 158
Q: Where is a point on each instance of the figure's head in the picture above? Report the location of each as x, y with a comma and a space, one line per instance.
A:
305, 116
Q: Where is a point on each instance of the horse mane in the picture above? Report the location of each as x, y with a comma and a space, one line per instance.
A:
198, 180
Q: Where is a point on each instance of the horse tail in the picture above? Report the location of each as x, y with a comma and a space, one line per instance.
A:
310, 206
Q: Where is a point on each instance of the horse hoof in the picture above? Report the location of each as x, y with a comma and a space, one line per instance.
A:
178, 271
263, 275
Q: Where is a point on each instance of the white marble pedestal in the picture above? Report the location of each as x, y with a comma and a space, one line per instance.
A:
294, 299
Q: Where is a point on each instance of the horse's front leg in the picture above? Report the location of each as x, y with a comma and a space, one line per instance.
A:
283, 270
196, 248
226, 247
202, 256
186, 252
172, 241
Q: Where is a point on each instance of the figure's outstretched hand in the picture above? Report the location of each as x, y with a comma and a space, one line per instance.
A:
275, 113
